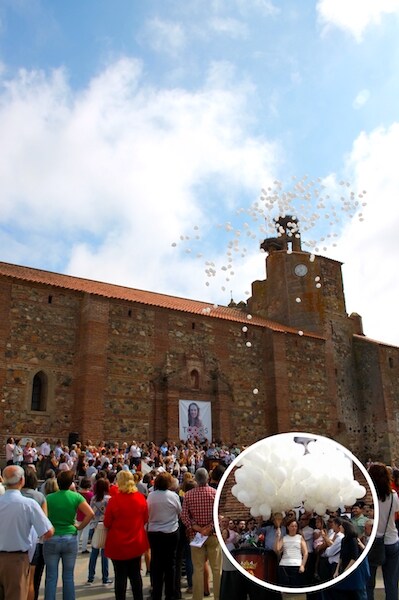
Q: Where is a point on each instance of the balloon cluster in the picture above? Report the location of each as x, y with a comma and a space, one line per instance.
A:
280, 473
322, 206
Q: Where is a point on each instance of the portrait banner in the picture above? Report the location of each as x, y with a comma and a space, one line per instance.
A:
195, 420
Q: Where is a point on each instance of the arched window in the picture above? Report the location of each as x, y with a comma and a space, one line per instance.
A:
194, 377
39, 392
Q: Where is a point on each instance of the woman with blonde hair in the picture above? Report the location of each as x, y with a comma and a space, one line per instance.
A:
125, 518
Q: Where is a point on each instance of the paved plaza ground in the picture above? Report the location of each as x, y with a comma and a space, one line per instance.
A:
98, 590
101, 592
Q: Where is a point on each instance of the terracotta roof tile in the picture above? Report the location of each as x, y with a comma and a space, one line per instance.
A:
109, 290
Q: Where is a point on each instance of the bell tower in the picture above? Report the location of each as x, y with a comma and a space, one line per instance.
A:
301, 290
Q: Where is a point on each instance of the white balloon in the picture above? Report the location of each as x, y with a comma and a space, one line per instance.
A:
255, 512
235, 489
360, 491
241, 476
267, 486
242, 496
320, 509
265, 510
280, 474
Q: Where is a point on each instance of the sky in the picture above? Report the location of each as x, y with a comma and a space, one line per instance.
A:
151, 144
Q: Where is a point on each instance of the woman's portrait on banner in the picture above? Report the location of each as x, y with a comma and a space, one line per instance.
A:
195, 420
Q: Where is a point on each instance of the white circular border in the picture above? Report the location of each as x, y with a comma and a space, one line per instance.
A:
320, 586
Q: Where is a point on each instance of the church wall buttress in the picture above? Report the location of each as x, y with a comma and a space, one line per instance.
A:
131, 359
91, 365
5, 306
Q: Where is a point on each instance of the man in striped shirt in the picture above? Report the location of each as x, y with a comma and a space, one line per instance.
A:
197, 516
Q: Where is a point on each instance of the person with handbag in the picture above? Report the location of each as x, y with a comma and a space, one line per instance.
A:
99, 503
385, 548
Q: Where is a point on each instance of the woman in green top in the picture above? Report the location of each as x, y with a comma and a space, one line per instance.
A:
62, 507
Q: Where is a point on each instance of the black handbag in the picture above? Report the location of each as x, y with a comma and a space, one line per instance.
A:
376, 554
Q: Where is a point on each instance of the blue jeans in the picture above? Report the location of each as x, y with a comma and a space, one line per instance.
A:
64, 547
390, 573
93, 561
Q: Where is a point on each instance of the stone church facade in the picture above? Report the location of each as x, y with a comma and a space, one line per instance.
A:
111, 363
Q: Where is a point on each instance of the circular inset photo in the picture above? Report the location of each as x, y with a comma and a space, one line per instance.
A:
294, 513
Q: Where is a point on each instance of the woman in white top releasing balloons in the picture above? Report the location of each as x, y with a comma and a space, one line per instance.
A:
294, 554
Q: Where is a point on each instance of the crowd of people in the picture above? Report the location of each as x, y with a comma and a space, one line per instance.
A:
305, 549
190, 455
156, 505
152, 500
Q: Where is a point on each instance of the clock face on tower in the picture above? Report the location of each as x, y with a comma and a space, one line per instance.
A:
300, 270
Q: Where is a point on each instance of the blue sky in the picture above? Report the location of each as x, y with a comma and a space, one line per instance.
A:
128, 125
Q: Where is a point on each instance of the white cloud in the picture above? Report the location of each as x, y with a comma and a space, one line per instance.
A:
245, 7
109, 176
265, 7
296, 78
229, 26
361, 99
165, 36
371, 247
354, 16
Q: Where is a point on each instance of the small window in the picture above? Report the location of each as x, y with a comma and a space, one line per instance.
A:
129, 312
194, 378
390, 360
39, 392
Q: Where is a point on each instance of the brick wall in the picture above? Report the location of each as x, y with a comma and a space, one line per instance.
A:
117, 370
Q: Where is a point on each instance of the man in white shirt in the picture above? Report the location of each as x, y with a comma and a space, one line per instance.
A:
44, 448
91, 469
333, 542
44, 452
58, 450
17, 517
135, 455
307, 533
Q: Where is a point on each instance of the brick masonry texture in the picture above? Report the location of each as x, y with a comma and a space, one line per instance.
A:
117, 361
